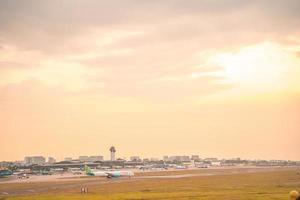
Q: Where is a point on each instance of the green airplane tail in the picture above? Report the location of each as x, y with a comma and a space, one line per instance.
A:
87, 169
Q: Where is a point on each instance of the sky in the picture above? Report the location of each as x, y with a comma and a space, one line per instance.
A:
153, 78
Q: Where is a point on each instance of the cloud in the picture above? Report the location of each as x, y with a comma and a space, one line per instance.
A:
131, 47
48, 26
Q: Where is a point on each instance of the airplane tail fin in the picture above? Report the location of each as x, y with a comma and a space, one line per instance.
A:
87, 169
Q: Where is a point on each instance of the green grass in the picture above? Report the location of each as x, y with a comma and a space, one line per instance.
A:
273, 185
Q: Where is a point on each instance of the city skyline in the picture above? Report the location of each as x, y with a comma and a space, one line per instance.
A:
107, 157
153, 78
94, 158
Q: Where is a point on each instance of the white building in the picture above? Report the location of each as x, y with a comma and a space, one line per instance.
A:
195, 157
32, 160
83, 158
95, 158
154, 159
179, 158
211, 159
135, 158
51, 160
165, 158
68, 159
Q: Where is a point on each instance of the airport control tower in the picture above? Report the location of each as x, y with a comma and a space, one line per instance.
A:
112, 153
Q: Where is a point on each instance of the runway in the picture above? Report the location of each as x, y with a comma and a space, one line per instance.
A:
160, 174
59, 183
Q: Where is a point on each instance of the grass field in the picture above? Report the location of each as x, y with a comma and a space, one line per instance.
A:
259, 186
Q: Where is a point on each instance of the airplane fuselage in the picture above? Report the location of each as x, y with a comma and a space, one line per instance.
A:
108, 174
111, 174
5, 172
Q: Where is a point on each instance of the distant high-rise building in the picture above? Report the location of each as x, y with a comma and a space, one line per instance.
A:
135, 158
83, 158
51, 160
112, 153
154, 159
95, 158
195, 157
32, 160
179, 158
90, 158
165, 158
211, 159
68, 159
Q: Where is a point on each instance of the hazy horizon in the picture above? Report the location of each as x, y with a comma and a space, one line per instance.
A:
153, 78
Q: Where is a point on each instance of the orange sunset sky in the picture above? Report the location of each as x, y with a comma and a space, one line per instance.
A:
166, 77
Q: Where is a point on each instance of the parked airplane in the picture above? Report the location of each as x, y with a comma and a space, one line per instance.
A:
108, 174
5, 172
